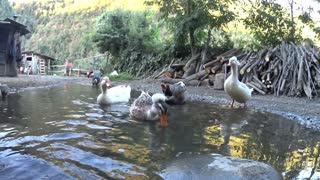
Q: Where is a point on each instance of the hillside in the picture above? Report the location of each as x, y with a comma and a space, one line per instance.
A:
61, 29
141, 41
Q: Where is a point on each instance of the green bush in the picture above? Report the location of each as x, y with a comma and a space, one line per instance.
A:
121, 76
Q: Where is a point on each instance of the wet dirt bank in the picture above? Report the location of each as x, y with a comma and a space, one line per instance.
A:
25, 81
303, 110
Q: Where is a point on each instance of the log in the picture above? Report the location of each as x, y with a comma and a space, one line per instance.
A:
231, 51
216, 68
164, 70
191, 70
211, 78
286, 69
177, 67
178, 74
257, 61
192, 83
227, 56
219, 81
208, 70
269, 54
217, 60
204, 77
171, 80
168, 74
191, 61
248, 64
257, 80
204, 82
197, 75
300, 73
255, 88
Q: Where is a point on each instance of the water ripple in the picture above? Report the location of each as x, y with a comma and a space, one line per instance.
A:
17, 166
14, 142
113, 168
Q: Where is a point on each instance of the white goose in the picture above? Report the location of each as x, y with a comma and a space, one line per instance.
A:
237, 90
112, 95
150, 108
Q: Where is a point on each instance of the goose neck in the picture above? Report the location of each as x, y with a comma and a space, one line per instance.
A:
103, 89
234, 72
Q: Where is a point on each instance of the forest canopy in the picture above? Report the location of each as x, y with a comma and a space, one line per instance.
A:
155, 30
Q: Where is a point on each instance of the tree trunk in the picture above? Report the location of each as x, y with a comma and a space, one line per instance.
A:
292, 30
191, 30
192, 41
204, 53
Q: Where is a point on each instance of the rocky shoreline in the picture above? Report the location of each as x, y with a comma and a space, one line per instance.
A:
302, 110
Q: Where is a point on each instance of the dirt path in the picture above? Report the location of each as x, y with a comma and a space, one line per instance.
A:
303, 110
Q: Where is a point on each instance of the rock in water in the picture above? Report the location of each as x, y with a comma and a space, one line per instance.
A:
216, 166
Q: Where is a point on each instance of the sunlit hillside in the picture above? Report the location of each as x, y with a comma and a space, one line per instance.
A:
62, 29
67, 29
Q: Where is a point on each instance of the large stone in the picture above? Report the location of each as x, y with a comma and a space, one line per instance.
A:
218, 81
216, 166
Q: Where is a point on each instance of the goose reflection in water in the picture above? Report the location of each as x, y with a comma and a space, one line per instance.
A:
157, 136
231, 125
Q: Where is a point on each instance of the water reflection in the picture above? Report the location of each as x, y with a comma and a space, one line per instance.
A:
63, 133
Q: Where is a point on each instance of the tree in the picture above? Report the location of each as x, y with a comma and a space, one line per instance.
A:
317, 29
5, 9
269, 22
117, 31
185, 17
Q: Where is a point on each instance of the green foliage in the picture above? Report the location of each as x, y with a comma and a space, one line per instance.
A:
119, 30
243, 40
5, 9
121, 76
132, 39
138, 41
60, 30
188, 19
269, 23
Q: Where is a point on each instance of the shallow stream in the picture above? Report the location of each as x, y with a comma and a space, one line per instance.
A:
60, 132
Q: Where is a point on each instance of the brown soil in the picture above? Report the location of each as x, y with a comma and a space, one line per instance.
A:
303, 110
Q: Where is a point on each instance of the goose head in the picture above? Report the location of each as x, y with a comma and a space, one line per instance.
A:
233, 61
166, 89
159, 108
105, 83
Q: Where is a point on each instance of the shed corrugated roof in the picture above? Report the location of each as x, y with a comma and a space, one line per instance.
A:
38, 54
12, 23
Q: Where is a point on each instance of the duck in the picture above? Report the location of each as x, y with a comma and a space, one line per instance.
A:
117, 94
175, 93
150, 108
96, 78
4, 89
95, 81
237, 90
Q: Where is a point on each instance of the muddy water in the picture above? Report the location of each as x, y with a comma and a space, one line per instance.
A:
60, 132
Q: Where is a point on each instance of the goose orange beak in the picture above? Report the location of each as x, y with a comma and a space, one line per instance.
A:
108, 83
163, 120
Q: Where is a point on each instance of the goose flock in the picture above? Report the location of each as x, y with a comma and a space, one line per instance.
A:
155, 107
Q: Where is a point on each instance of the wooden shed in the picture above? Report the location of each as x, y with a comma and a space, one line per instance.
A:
10, 46
36, 63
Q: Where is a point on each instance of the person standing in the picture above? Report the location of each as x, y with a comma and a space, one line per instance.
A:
69, 66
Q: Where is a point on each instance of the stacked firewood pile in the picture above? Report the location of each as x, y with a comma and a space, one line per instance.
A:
287, 69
